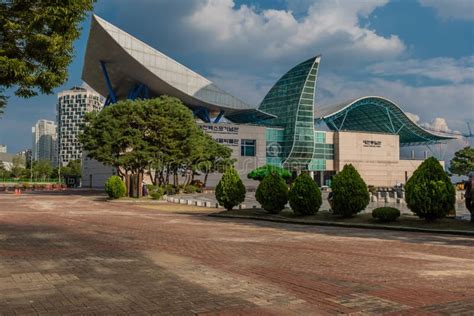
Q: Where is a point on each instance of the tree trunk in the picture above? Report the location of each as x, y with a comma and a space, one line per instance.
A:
205, 179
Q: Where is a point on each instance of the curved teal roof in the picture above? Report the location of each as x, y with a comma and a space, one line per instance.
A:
376, 114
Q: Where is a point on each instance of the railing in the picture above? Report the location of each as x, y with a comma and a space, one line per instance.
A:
28, 180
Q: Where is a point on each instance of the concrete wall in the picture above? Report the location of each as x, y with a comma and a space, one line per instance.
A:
375, 156
94, 173
233, 134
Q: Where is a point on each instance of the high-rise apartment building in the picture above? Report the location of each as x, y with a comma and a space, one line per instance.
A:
45, 141
71, 107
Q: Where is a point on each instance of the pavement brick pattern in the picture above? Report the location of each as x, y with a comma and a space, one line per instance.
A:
76, 254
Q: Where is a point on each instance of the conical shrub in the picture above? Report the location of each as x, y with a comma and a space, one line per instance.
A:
230, 190
305, 195
429, 192
350, 193
272, 193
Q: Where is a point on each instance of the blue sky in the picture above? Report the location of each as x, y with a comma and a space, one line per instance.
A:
419, 53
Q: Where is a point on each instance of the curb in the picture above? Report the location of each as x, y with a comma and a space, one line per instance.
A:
347, 225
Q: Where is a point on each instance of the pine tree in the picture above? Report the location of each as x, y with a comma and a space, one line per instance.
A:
230, 191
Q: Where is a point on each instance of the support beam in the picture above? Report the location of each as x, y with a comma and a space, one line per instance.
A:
218, 118
390, 120
112, 96
203, 114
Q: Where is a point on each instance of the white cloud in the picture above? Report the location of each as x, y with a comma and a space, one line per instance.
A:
415, 118
451, 9
442, 68
330, 27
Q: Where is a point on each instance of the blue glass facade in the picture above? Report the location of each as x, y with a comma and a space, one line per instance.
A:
291, 99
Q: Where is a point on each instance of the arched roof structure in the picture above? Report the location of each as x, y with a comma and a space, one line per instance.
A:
376, 114
120, 66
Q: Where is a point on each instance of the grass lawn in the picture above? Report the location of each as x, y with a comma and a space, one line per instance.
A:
360, 219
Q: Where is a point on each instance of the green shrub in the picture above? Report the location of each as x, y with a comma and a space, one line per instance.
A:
350, 193
386, 214
230, 191
169, 189
429, 192
261, 172
272, 193
305, 196
190, 189
115, 187
156, 192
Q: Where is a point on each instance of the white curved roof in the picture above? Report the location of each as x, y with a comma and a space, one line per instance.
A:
130, 61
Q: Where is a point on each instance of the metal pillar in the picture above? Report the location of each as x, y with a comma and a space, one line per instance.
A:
111, 98
203, 114
218, 118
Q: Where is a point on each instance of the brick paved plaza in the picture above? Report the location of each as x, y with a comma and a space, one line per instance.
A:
78, 254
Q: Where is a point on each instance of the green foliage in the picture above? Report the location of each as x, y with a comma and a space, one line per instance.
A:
463, 161
429, 191
261, 172
230, 190
42, 169
350, 193
169, 189
155, 191
272, 193
305, 195
386, 214
36, 43
18, 167
157, 134
190, 189
115, 187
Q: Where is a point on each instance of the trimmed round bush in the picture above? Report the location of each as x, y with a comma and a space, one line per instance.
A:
115, 187
305, 195
350, 193
272, 193
386, 214
429, 192
230, 190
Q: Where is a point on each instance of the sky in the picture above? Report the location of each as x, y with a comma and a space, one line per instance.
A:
418, 53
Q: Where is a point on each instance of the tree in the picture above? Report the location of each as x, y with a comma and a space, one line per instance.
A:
429, 192
158, 136
272, 193
230, 190
305, 196
215, 158
42, 169
18, 166
4, 173
261, 172
36, 43
463, 161
350, 193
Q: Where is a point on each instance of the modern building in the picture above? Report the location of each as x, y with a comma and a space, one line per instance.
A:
27, 155
287, 128
3, 148
72, 105
44, 145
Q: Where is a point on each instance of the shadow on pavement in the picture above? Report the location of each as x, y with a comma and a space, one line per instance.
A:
410, 237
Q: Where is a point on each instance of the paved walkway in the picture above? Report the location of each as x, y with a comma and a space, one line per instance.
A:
76, 253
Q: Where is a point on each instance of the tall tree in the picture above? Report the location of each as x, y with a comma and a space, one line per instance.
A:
36, 43
42, 169
463, 161
18, 166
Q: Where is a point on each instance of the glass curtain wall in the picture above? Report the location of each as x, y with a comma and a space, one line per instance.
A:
291, 99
